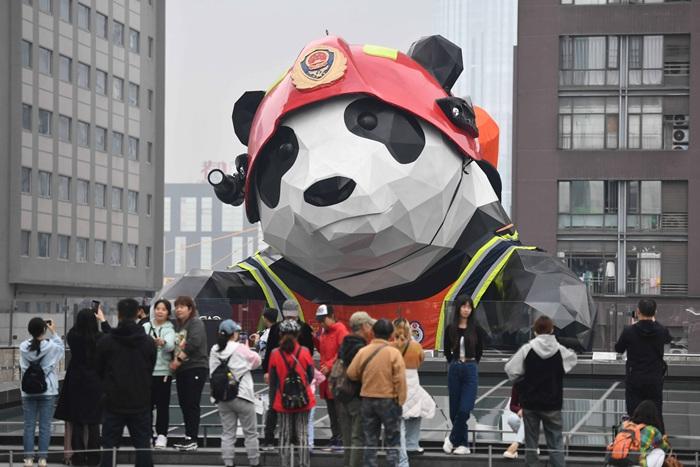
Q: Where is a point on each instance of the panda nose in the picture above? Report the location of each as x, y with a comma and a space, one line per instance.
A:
329, 191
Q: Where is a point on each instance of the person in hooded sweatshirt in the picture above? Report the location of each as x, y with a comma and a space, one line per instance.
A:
163, 333
191, 367
538, 367
644, 343
124, 360
44, 349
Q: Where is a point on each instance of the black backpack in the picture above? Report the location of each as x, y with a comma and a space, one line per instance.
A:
294, 393
223, 384
34, 379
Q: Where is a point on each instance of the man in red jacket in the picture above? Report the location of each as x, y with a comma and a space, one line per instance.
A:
332, 336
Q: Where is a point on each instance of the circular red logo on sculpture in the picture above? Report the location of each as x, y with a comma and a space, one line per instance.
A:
317, 59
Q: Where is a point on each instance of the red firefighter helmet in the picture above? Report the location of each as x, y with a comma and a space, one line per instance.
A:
330, 67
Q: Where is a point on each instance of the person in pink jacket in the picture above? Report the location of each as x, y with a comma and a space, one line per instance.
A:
332, 336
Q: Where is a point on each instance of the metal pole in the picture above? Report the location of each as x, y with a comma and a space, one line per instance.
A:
11, 456
490, 456
114, 457
697, 460
204, 444
291, 451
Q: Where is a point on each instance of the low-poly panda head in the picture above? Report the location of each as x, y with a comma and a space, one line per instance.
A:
352, 186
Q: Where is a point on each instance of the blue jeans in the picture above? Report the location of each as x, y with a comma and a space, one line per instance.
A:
139, 426
33, 407
462, 384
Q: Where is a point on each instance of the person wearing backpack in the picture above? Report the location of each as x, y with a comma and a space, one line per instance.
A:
291, 371
539, 368
645, 367
380, 368
38, 360
349, 404
230, 364
639, 441
163, 333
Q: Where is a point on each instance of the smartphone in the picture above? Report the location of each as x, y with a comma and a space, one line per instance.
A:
49, 322
95, 305
243, 337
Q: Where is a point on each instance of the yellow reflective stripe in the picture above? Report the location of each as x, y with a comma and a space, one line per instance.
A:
290, 295
277, 81
501, 263
458, 284
379, 51
271, 302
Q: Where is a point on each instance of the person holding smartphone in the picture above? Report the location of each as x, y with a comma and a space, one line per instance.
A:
163, 333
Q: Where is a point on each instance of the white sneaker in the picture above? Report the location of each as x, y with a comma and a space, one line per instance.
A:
161, 442
29, 462
462, 450
447, 445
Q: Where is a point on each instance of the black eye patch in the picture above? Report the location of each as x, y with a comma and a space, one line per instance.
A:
275, 159
396, 129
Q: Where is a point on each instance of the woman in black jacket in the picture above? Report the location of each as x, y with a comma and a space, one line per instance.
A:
79, 401
463, 346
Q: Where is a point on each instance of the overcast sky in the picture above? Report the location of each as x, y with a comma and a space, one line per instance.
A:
218, 49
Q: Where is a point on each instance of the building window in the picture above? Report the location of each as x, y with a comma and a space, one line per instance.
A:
150, 99
64, 128
646, 60
63, 188
116, 256
81, 250
588, 122
134, 40
101, 82
45, 6
148, 256
27, 117
150, 47
99, 251
180, 255
117, 88
231, 218
101, 139
206, 212
133, 148
117, 143
83, 75
188, 214
166, 214
64, 10
25, 238
101, 25
100, 194
132, 259
63, 247
83, 17
645, 123
149, 152
149, 204
133, 202
205, 253
118, 33
45, 118
26, 184
133, 94
84, 134
43, 245
26, 54
589, 61
117, 195
45, 57
44, 184
82, 192
64, 68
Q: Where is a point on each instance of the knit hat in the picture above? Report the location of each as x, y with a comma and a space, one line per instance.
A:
289, 326
228, 327
290, 309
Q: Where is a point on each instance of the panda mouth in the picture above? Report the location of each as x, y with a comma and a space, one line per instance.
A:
366, 215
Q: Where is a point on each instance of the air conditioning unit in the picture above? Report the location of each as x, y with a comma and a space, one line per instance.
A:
680, 121
680, 136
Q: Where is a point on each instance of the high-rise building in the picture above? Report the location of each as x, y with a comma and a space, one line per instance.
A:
81, 163
203, 233
486, 30
606, 171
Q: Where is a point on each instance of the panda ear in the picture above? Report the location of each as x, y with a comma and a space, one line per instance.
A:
440, 57
243, 112
493, 176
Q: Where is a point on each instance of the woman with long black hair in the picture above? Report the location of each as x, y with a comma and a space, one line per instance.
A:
463, 346
38, 360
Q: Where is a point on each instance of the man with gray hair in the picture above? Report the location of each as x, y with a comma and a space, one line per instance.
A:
290, 311
349, 411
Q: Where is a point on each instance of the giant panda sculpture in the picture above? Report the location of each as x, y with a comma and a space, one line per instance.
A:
373, 193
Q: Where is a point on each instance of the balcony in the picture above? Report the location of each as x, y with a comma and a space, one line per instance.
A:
635, 286
672, 222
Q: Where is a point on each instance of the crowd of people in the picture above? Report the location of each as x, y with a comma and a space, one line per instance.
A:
367, 373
